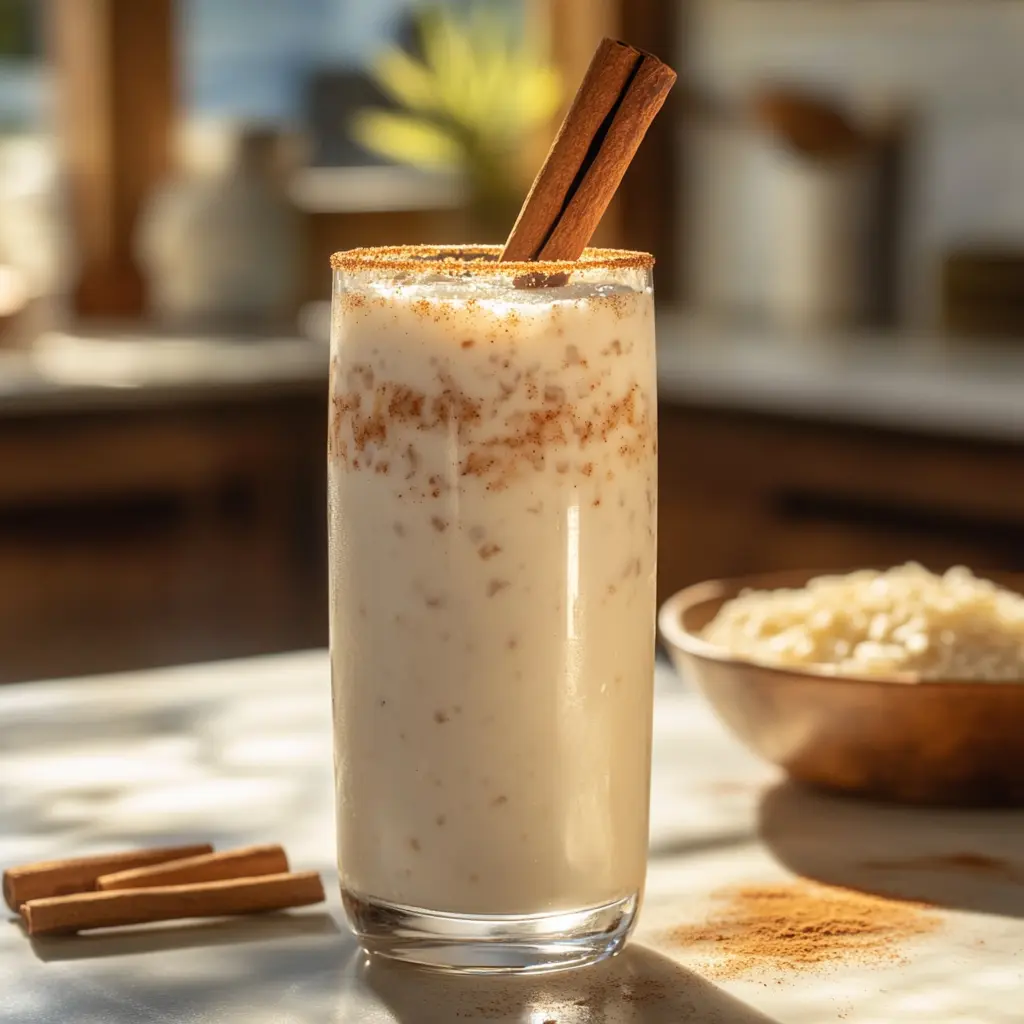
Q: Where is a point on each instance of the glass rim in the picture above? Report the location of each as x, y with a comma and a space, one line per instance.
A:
479, 261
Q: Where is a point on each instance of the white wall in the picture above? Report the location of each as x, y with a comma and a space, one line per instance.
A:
959, 53
961, 66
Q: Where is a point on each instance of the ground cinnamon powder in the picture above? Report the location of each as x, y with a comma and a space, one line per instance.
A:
802, 925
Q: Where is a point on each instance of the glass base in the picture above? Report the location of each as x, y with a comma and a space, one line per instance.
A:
479, 944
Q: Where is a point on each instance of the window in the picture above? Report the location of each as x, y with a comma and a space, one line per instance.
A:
22, 72
292, 62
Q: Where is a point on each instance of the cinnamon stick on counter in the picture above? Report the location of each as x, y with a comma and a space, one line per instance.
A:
83, 911
621, 93
78, 874
245, 862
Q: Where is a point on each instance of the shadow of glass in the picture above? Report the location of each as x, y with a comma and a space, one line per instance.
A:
230, 932
683, 846
637, 987
969, 860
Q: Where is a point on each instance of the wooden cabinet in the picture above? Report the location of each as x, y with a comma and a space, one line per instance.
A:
743, 494
161, 535
172, 534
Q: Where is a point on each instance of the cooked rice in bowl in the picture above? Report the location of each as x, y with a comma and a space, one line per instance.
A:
905, 620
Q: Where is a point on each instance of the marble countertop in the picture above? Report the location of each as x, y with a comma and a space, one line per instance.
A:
240, 752
72, 372
918, 384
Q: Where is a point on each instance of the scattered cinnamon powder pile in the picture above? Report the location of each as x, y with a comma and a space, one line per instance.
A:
801, 925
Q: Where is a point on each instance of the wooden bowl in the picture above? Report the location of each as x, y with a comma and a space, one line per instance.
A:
956, 743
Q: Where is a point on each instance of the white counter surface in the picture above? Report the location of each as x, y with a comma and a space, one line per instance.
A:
240, 752
70, 372
915, 383
918, 383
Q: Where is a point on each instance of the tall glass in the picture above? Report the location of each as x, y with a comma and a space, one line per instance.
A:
492, 505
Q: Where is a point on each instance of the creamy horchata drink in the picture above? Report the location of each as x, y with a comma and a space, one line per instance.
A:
492, 468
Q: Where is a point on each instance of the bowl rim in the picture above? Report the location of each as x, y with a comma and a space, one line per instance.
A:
681, 639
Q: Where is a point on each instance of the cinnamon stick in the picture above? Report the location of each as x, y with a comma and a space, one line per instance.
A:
622, 91
244, 862
83, 911
78, 874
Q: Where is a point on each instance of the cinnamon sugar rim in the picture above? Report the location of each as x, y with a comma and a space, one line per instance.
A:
480, 260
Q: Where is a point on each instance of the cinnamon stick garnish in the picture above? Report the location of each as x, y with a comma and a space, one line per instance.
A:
622, 91
245, 862
78, 874
83, 911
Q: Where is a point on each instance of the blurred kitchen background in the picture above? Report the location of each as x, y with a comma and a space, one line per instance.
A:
835, 195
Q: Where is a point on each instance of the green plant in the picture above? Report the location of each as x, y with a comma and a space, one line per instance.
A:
17, 38
469, 104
